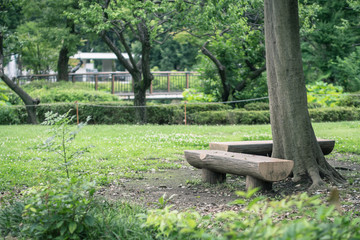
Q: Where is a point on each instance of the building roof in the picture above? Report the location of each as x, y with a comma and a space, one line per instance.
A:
97, 55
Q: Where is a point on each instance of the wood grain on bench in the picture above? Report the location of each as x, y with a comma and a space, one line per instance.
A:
263, 148
259, 170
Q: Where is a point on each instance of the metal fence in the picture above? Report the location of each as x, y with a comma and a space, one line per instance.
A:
122, 82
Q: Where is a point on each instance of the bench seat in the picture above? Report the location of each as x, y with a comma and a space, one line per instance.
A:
263, 148
260, 171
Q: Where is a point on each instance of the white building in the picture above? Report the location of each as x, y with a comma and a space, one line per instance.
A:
107, 61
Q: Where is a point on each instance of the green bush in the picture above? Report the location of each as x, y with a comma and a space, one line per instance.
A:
313, 105
72, 95
10, 217
334, 114
59, 210
9, 115
53, 92
230, 117
257, 106
114, 113
352, 100
192, 95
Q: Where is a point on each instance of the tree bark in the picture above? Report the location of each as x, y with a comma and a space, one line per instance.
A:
62, 64
221, 70
292, 132
29, 102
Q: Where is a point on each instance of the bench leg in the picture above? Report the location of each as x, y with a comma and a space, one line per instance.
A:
213, 177
252, 182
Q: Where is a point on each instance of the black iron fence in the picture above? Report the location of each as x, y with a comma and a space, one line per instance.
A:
122, 82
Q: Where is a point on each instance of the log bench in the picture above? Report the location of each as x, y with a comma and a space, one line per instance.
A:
260, 171
263, 148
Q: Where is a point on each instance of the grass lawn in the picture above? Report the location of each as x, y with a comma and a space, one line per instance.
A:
130, 150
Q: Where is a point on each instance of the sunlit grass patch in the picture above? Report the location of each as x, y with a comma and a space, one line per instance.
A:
130, 150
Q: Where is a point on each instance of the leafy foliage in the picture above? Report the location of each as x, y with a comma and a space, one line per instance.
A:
192, 95
330, 34
38, 54
349, 70
298, 216
230, 39
3, 96
49, 92
59, 210
325, 94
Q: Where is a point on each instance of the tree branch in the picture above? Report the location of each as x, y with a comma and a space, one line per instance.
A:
207, 53
126, 46
117, 52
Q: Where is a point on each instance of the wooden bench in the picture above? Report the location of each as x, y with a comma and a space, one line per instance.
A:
260, 171
263, 148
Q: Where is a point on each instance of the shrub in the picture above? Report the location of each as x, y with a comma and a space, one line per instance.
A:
192, 95
230, 117
334, 114
257, 106
9, 115
72, 95
352, 100
10, 217
114, 113
59, 210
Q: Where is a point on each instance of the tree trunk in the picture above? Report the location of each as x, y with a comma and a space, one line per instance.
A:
29, 102
145, 77
222, 72
139, 99
62, 64
292, 132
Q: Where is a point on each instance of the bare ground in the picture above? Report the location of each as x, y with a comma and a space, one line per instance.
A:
188, 192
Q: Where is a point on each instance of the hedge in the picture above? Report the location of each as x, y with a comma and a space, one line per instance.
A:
211, 114
110, 113
263, 117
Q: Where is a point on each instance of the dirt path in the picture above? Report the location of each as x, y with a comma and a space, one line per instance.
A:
189, 193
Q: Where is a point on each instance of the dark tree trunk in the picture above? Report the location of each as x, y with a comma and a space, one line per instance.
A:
147, 77
292, 132
29, 102
62, 64
221, 70
140, 103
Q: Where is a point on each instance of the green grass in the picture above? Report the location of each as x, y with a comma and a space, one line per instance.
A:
129, 150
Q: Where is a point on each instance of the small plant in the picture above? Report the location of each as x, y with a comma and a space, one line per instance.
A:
163, 201
59, 210
62, 139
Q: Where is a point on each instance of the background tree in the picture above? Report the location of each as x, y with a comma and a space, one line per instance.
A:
229, 34
174, 55
56, 28
10, 17
292, 132
121, 25
36, 53
330, 37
